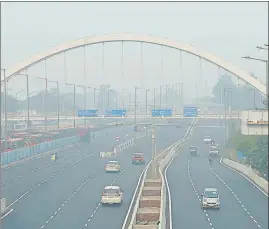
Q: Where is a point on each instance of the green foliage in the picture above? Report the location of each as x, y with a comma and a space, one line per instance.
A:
12, 104
241, 96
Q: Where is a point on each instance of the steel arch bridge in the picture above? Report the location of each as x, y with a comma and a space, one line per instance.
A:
136, 38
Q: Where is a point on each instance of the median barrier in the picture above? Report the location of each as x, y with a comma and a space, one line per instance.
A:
248, 173
149, 200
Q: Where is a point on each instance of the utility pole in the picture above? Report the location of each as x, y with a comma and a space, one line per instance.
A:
135, 107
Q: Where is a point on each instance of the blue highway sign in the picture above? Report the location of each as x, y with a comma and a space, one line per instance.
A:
88, 113
162, 113
115, 113
190, 112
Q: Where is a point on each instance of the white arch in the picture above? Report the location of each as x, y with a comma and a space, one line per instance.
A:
137, 38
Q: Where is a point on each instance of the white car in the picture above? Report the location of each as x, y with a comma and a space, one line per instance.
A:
207, 139
213, 150
112, 166
210, 198
112, 195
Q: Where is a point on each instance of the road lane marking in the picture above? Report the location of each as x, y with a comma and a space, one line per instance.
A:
99, 204
240, 202
244, 177
51, 177
79, 187
197, 194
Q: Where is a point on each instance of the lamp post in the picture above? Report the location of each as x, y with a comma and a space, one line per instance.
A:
147, 103
108, 92
74, 102
5, 106
46, 99
58, 102
166, 96
266, 74
94, 90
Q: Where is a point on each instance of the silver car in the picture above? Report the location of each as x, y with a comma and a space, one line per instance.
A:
210, 198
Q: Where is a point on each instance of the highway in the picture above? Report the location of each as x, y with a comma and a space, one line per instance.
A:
242, 205
66, 194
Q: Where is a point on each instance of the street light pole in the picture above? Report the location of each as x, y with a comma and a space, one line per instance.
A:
147, 103
5, 106
108, 98
74, 97
266, 74
58, 102
154, 98
160, 97
94, 90
46, 100
166, 95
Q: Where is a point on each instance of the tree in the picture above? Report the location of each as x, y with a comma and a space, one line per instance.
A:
13, 105
242, 96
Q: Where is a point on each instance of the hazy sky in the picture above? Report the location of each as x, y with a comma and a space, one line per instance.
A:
230, 30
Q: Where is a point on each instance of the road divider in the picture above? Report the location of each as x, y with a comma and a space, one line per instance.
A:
248, 173
148, 206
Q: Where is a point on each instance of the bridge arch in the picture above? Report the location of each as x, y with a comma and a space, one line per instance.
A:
137, 38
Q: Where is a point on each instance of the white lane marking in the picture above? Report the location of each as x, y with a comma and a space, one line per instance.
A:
39, 168
51, 177
34, 157
99, 203
75, 192
133, 198
197, 194
169, 193
235, 196
244, 177
7, 213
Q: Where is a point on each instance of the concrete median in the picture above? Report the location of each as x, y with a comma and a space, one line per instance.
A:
149, 201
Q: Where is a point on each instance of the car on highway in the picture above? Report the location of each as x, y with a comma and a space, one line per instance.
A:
112, 195
210, 198
193, 151
213, 150
207, 139
112, 166
138, 158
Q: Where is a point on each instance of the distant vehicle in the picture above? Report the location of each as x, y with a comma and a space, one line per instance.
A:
213, 150
193, 151
210, 198
112, 195
138, 158
207, 139
112, 166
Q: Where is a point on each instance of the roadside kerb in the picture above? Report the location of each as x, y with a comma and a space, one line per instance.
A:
165, 186
248, 173
160, 158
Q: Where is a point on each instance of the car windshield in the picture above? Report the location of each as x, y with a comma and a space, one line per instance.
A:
211, 194
193, 148
111, 191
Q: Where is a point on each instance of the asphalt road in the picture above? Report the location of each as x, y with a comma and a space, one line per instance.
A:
67, 194
242, 205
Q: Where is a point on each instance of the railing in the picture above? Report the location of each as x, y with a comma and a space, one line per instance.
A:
22, 153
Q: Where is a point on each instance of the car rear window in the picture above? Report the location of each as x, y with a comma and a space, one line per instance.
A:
211, 194
138, 155
111, 191
207, 137
114, 163
193, 148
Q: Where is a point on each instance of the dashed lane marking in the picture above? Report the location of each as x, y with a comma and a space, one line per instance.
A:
99, 204
235, 196
51, 177
75, 192
198, 196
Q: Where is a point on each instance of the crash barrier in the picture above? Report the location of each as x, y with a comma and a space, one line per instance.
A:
165, 187
4, 210
22, 153
247, 172
162, 160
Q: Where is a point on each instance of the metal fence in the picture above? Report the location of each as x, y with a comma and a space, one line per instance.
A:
19, 154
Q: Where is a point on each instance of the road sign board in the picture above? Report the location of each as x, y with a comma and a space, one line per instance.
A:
116, 113
162, 112
190, 112
88, 113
